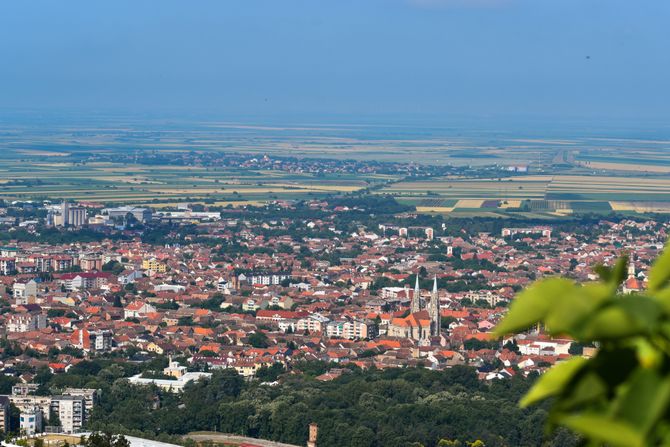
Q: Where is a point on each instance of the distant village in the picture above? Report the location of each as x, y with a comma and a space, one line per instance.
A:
244, 290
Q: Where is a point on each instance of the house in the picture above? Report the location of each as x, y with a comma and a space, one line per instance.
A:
129, 277
138, 309
84, 280
92, 340
23, 290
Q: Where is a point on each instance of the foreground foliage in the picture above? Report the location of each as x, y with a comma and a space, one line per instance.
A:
621, 396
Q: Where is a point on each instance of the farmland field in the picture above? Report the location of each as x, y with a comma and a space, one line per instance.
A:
100, 159
105, 182
562, 194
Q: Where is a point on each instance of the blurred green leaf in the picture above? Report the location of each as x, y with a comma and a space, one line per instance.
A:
625, 317
605, 429
568, 314
533, 304
588, 389
644, 399
604, 272
647, 354
619, 271
621, 396
659, 274
663, 297
553, 381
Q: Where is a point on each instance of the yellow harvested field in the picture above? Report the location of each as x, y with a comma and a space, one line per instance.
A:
626, 167
434, 209
53, 165
629, 183
40, 153
123, 169
641, 207
469, 203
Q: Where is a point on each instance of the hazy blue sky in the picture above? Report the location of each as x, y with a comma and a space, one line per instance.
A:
564, 58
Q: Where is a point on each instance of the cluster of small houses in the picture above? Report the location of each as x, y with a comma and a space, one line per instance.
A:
60, 297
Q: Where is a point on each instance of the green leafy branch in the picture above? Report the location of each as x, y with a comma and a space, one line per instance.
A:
620, 396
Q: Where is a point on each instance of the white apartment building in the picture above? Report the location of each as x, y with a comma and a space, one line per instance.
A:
350, 329
26, 322
23, 290
71, 411
313, 323
30, 421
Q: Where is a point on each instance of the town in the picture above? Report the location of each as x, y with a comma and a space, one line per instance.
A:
358, 282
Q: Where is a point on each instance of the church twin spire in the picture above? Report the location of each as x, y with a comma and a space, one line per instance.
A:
434, 310
433, 306
416, 297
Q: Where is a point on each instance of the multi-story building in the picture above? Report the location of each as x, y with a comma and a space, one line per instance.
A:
92, 341
154, 265
543, 231
26, 402
8, 252
22, 290
89, 263
71, 412
60, 263
76, 216
7, 265
84, 280
313, 323
351, 329
30, 421
4, 414
67, 216
121, 213
26, 322
23, 389
89, 395
264, 278
484, 295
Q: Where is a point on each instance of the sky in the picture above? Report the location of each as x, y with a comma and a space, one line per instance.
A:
562, 59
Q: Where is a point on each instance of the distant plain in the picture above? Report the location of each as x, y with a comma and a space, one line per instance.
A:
555, 176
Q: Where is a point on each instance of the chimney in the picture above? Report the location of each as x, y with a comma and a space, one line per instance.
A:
313, 431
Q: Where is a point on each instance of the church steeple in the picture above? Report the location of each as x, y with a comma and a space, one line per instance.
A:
434, 310
416, 296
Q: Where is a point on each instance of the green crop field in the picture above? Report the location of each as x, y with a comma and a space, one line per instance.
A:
109, 182
558, 176
549, 194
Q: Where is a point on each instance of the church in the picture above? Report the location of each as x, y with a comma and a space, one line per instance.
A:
423, 321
